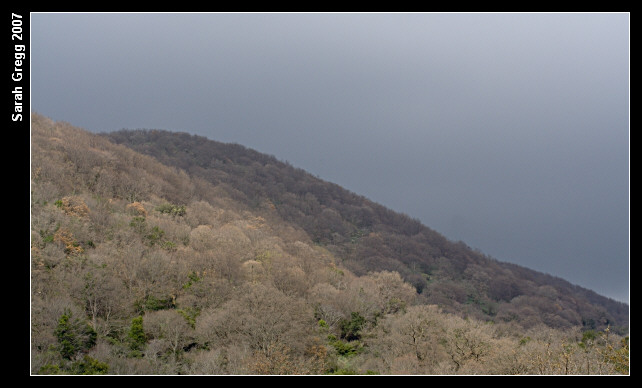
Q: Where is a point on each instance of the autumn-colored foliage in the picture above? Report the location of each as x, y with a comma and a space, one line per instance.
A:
65, 237
136, 209
74, 206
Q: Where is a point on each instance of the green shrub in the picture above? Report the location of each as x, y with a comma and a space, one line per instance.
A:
139, 224
190, 314
351, 329
50, 369
346, 349
46, 236
174, 210
89, 366
192, 278
168, 246
152, 303
155, 235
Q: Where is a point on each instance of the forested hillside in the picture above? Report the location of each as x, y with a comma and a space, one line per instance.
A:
182, 255
366, 236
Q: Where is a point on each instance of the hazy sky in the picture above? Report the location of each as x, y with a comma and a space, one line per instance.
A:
507, 131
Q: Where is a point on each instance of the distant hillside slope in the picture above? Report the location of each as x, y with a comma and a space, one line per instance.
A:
367, 237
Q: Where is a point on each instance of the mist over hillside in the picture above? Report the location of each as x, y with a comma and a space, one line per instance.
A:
157, 252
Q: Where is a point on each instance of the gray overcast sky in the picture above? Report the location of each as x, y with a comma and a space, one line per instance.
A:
507, 131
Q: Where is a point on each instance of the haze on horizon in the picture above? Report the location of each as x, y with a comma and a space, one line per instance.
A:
507, 131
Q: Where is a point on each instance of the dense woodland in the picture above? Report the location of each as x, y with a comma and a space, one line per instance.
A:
155, 252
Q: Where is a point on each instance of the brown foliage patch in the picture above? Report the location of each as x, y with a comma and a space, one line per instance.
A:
137, 209
74, 206
65, 237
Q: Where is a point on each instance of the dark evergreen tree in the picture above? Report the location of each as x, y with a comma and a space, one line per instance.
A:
73, 335
136, 336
